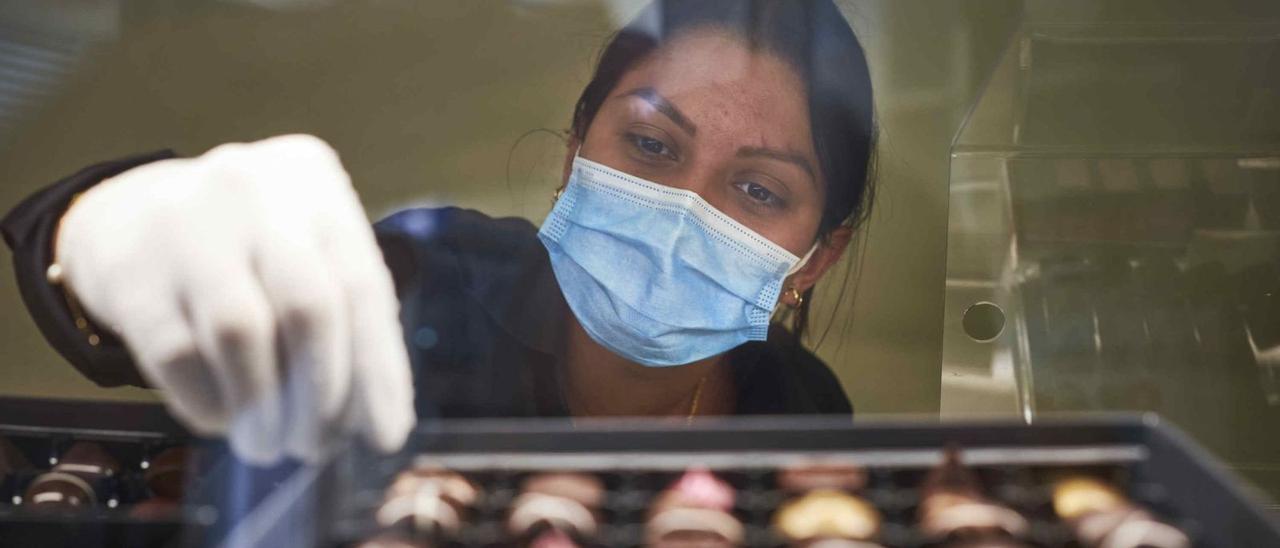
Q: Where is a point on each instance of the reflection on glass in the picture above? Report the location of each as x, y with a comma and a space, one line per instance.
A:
1114, 240
1137, 248
717, 163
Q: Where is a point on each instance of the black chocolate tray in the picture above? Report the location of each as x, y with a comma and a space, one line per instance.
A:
1154, 464
333, 504
131, 433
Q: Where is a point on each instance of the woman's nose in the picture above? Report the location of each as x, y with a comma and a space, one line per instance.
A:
706, 183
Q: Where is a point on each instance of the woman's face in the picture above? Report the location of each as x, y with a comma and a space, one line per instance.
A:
706, 114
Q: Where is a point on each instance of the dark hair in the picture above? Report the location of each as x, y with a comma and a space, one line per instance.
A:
810, 35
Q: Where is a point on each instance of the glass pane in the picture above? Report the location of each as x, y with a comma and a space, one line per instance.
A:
460, 105
1116, 193
1102, 180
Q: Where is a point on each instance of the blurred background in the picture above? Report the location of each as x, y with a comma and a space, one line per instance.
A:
1067, 163
427, 103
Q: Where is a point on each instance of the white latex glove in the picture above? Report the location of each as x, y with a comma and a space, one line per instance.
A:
249, 289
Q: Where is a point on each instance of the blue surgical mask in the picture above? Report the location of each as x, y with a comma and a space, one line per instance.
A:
656, 274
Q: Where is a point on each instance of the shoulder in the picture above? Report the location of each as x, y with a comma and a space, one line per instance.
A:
474, 293
454, 226
821, 383
454, 242
499, 265
780, 376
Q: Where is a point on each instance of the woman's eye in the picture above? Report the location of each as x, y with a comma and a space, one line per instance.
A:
759, 193
651, 147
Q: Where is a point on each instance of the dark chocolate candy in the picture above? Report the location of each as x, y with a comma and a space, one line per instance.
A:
87, 460
59, 491
953, 506
166, 475
11, 458
156, 509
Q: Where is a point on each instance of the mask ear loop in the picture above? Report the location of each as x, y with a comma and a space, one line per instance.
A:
792, 291
555, 197
803, 261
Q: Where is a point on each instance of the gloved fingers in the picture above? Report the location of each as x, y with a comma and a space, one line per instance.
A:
167, 356
315, 329
235, 332
382, 384
305, 433
382, 388
311, 320
381, 404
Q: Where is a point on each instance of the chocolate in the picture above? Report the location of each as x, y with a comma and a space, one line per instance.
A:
166, 474
953, 506
827, 514
986, 542
452, 485
694, 511
553, 538
11, 458
843, 477
556, 506
59, 490
828, 542
1128, 528
952, 478
1075, 496
1100, 515
696, 488
391, 541
74, 479
586, 489
429, 502
87, 460
156, 509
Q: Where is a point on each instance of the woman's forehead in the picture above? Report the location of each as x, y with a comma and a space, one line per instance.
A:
724, 88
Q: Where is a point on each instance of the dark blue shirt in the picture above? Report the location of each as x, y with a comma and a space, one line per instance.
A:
484, 319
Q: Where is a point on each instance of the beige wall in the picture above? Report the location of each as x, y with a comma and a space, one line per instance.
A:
425, 102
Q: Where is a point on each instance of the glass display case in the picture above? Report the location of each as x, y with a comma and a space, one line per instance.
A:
1111, 302
1114, 232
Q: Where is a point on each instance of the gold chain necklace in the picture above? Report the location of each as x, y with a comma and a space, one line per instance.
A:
697, 395
693, 406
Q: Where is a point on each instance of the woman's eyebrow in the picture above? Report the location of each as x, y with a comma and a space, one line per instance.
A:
651, 96
781, 155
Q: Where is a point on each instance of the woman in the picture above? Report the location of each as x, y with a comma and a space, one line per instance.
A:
717, 167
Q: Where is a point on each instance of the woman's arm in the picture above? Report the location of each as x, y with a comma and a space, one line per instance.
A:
245, 283
29, 230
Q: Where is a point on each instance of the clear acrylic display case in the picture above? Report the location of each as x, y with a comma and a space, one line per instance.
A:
1114, 232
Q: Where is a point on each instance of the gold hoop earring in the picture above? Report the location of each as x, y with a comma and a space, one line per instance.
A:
556, 196
795, 296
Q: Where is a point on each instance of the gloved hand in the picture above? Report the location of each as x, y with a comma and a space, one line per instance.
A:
248, 287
